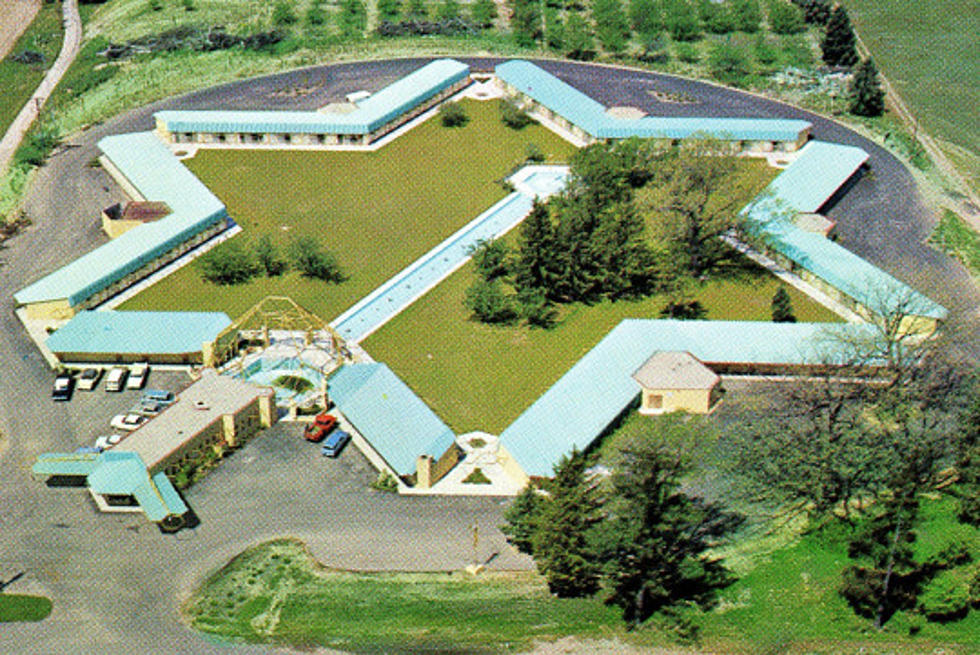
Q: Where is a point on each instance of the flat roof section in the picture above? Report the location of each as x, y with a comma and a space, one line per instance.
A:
600, 386
197, 407
398, 425
371, 113
581, 110
158, 176
111, 332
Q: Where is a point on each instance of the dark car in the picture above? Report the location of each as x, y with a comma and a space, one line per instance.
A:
320, 427
63, 385
334, 443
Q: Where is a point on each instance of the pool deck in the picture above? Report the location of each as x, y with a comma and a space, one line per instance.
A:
412, 282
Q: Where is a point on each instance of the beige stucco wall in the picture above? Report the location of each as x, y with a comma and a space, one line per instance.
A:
51, 310
511, 467
694, 401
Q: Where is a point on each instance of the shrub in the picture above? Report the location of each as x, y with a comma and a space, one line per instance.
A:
482, 13
315, 15
536, 309
155, 5
312, 262
268, 257
476, 476
188, 5
28, 57
533, 154
681, 20
37, 147
784, 18
514, 117
782, 307
283, 15
385, 482
229, 263
489, 303
452, 114
490, 258
688, 53
947, 596
728, 64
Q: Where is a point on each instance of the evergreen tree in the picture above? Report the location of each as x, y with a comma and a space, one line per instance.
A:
353, 18
748, 16
782, 307
612, 26
534, 268
526, 21
656, 538
489, 303
268, 257
681, 20
785, 18
839, 44
646, 17
561, 540
968, 465
815, 12
491, 258
415, 10
482, 13
227, 264
522, 518
719, 18
577, 38
389, 10
867, 96
448, 10
554, 37
315, 263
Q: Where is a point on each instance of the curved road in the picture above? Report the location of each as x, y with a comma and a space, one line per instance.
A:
114, 579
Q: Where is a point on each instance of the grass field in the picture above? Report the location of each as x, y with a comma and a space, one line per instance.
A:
785, 601
19, 607
377, 212
277, 593
481, 377
954, 236
18, 80
928, 50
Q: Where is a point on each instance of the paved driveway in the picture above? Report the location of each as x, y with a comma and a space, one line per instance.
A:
115, 579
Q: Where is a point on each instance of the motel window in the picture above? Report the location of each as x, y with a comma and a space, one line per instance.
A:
287, 138
321, 138
256, 137
222, 138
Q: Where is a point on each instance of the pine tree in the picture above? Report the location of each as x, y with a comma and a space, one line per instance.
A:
536, 252
612, 26
867, 96
656, 539
577, 38
522, 519
968, 465
782, 307
526, 21
785, 18
561, 540
482, 13
681, 20
839, 44
646, 17
748, 16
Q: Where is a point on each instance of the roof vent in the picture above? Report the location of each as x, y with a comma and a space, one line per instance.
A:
201, 404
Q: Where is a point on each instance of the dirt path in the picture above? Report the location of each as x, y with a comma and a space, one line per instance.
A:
15, 16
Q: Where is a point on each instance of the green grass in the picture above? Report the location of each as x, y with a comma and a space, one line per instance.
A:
19, 607
276, 592
928, 51
17, 80
377, 212
481, 377
952, 235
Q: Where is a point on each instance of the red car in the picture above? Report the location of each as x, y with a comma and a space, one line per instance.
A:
320, 427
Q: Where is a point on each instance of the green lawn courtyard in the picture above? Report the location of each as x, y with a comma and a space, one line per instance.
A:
377, 211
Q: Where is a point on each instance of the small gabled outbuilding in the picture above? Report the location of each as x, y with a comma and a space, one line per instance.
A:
677, 381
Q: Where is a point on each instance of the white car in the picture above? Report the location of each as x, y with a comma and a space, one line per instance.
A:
116, 379
107, 441
127, 422
89, 379
137, 376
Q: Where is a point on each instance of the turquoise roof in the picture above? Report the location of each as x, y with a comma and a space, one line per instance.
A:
814, 177
138, 332
585, 401
117, 474
581, 110
158, 175
398, 425
371, 114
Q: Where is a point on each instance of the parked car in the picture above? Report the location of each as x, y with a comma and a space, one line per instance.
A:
89, 379
334, 443
116, 379
63, 385
128, 422
158, 396
107, 441
137, 376
320, 427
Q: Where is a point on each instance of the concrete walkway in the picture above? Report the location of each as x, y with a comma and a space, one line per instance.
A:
69, 49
